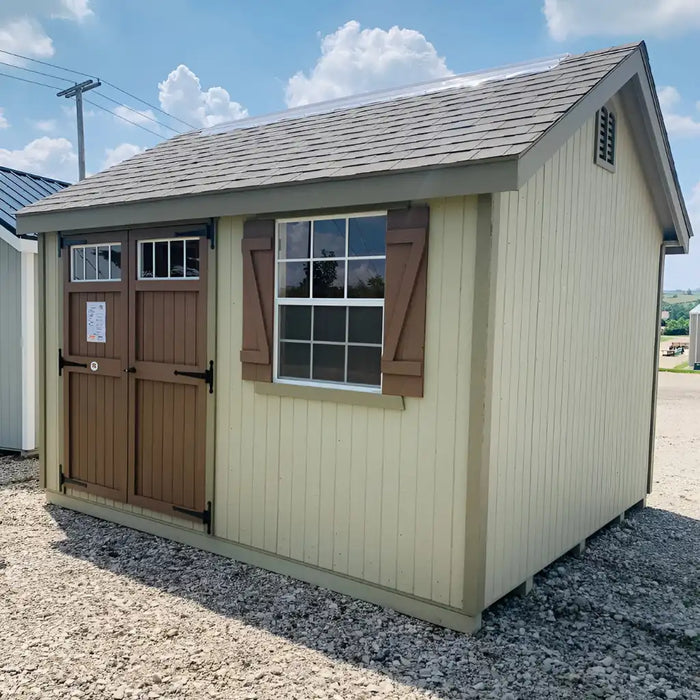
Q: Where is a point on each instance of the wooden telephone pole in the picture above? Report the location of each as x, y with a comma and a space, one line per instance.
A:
77, 92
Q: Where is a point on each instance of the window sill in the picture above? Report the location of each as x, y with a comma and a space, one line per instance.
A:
314, 393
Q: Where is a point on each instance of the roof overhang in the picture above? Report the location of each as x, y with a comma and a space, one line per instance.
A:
22, 245
631, 80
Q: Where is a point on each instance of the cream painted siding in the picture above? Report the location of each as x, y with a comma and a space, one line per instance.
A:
576, 258
371, 493
694, 349
10, 347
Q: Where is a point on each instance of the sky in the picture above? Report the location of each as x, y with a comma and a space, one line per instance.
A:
210, 61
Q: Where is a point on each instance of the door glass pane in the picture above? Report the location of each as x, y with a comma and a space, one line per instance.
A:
367, 235
90, 263
366, 279
329, 238
103, 262
365, 325
329, 323
294, 360
364, 365
293, 279
177, 259
192, 259
147, 260
78, 264
161, 259
116, 267
329, 279
293, 240
329, 362
295, 322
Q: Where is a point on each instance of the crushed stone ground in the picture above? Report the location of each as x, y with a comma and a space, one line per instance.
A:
89, 609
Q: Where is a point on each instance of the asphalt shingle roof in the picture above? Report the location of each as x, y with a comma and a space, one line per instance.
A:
498, 118
18, 189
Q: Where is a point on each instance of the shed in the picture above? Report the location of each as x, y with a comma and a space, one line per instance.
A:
18, 261
694, 340
364, 343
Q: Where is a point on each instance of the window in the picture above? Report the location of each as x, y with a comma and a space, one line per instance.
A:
605, 143
329, 301
169, 259
96, 263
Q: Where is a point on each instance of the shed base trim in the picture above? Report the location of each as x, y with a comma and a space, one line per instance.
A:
424, 610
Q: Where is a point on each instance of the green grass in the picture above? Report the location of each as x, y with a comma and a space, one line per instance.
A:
681, 298
675, 370
682, 365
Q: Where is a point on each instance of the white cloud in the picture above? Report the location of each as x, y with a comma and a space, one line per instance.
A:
566, 18
46, 125
25, 36
677, 124
355, 60
22, 33
44, 156
181, 95
145, 116
119, 153
3, 120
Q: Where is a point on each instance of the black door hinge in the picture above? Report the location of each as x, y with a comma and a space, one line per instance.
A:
63, 480
203, 515
62, 362
207, 375
65, 243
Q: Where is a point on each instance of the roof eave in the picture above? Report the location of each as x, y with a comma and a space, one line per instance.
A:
481, 177
632, 78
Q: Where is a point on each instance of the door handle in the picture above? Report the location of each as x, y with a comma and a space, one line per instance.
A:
130, 370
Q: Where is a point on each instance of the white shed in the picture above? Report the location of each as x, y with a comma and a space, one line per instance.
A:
18, 263
694, 347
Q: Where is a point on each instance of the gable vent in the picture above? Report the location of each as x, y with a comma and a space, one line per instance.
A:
605, 143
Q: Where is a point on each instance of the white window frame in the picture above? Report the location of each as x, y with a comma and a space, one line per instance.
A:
341, 302
84, 246
178, 239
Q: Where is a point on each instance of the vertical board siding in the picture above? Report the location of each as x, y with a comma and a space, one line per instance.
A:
577, 280
10, 347
375, 494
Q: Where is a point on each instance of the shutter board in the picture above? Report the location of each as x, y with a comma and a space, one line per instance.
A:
405, 302
258, 248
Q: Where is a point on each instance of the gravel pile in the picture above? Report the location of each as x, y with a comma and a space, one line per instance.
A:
93, 610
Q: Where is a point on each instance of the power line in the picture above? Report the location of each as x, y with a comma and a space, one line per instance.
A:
136, 111
105, 82
34, 82
119, 116
38, 72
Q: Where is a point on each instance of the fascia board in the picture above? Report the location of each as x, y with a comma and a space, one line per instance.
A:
426, 183
20, 244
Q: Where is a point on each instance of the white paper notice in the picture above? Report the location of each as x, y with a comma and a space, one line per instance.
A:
96, 322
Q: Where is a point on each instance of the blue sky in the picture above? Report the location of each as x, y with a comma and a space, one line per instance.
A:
213, 60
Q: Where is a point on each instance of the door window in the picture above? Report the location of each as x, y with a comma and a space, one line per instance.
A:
169, 259
96, 263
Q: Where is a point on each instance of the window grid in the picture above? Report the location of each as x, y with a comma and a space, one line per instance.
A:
310, 301
96, 247
169, 276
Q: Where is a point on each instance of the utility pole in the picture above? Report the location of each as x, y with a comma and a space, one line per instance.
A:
77, 92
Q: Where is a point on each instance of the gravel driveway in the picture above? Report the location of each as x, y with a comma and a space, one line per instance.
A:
93, 610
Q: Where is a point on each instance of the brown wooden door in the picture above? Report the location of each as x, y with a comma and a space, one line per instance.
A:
94, 353
168, 308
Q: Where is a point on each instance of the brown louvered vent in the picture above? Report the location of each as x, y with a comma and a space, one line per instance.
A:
605, 142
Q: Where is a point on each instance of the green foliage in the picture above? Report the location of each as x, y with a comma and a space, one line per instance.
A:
678, 311
676, 327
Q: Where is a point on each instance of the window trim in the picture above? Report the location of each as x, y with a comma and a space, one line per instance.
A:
84, 246
342, 302
168, 240
598, 159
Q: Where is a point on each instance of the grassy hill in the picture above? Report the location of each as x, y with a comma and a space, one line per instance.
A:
680, 297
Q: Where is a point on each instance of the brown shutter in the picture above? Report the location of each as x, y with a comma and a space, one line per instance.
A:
258, 246
404, 305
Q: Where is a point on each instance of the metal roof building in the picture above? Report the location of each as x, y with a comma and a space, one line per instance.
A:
18, 260
358, 343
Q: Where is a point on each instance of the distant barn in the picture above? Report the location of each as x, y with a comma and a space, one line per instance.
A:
18, 263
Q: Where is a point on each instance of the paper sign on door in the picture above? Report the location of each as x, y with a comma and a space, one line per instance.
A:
96, 321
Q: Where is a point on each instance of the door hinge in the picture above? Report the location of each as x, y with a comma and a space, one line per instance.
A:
62, 362
63, 243
207, 375
63, 480
203, 515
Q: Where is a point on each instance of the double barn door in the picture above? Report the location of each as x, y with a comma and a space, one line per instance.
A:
135, 368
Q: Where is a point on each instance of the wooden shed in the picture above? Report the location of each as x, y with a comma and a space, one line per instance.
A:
367, 343
18, 261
